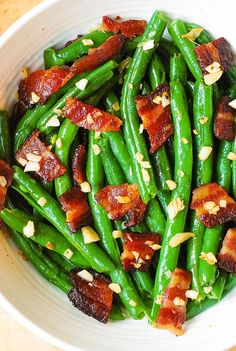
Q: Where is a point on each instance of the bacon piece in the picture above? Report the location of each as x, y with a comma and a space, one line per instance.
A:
156, 118
120, 200
43, 83
129, 28
74, 203
89, 117
79, 164
224, 126
138, 250
172, 314
92, 298
227, 257
218, 50
6, 176
97, 56
49, 165
213, 205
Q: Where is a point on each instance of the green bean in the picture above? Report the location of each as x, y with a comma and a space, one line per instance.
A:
65, 264
146, 90
116, 313
4, 136
134, 140
183, 167
44, 234
167, 47
178, 69
212, 237
218, 287
156, 71
76, 92
234, 171
190, 88
100, 93
75, 50
131, 44
185, 46
53, 213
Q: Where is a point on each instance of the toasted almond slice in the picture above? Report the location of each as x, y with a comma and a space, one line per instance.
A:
214, 67
147, 45
146, 176
89, 235
211, 78
155, 247
85, 187
28, 229
68, 253
171, 184
87, 42
96, 149
34, 98
192, 294
132, 303
32, 167
181, 173
203, 120
81, 84
207, 289
53, 122
141, 128
139, 157
223, 203
24, 72
32, 157
208, 257
175, 206
116, 106
168, 274
3, 181
136, 254
157, 100
130, 86
178, 301
193, 34
117, 234
209, 205
84, 274
145, 164
123, 199
89, 118
158, 299
148, 242
147, 257
130, 171
165, 99
57, 111
22, 161
115, 287
50, 246
59, 143
42, 201
179, 238
233, 103
231, 156
195, 132
205, 153
136, 265
184, 140
97, 135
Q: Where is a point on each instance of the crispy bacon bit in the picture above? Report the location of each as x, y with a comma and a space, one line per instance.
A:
97, 56
207, 201
224, 127
48, 164
138, 250
111, 197
89, 117
172, 313
218, 50
227, 256
129, 28
74, 203
6, 176
93, 298
79, 164
156, 118
43, 83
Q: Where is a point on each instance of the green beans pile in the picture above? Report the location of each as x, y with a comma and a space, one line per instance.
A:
53, 249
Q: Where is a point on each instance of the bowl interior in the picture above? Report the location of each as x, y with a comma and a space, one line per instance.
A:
22, 291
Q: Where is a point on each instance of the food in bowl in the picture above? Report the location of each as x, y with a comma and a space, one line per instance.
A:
103, 197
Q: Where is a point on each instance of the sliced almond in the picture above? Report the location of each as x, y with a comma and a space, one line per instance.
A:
32, 157
42, 201
130, 86
147, 257
147, 45
132, 303
184, 140
32, 167
145, 164
57, 111
168, 274
139, 157
233, 103
89, 118
22, 161
123, 199
211, 207
193, 34
141, 128
175, 206
203, 120
89, 235
171, 184
24, 72
115, 287
53, 122
158, 299
146, 176
50, 246
28, 229
85, 187
178, 301
136, 254
231, 156
195, 132
87, 42
165, 99
117, 234
157, 100
81, 84
205, 153
179, 238
96, 149
211, 78
97, 135
34, 98
192, 294
116, 106
208, 257
3, 181
136, 265
59, 143
213, 68
181, 173
223, 203
68, 254
207, 289
148, 242
155, 247
130, 171
84, 274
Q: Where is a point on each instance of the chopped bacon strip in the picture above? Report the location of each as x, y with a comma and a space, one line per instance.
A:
43, 83
138, 250
218, 50
94, 298
213, 205
48, 163
97, 56
129, 28
6, 176
172, 313
156, 118
224, 126
74, 203
79, 164
89, 117
227, 257
120, 200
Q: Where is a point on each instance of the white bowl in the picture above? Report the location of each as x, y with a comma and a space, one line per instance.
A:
23, 292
